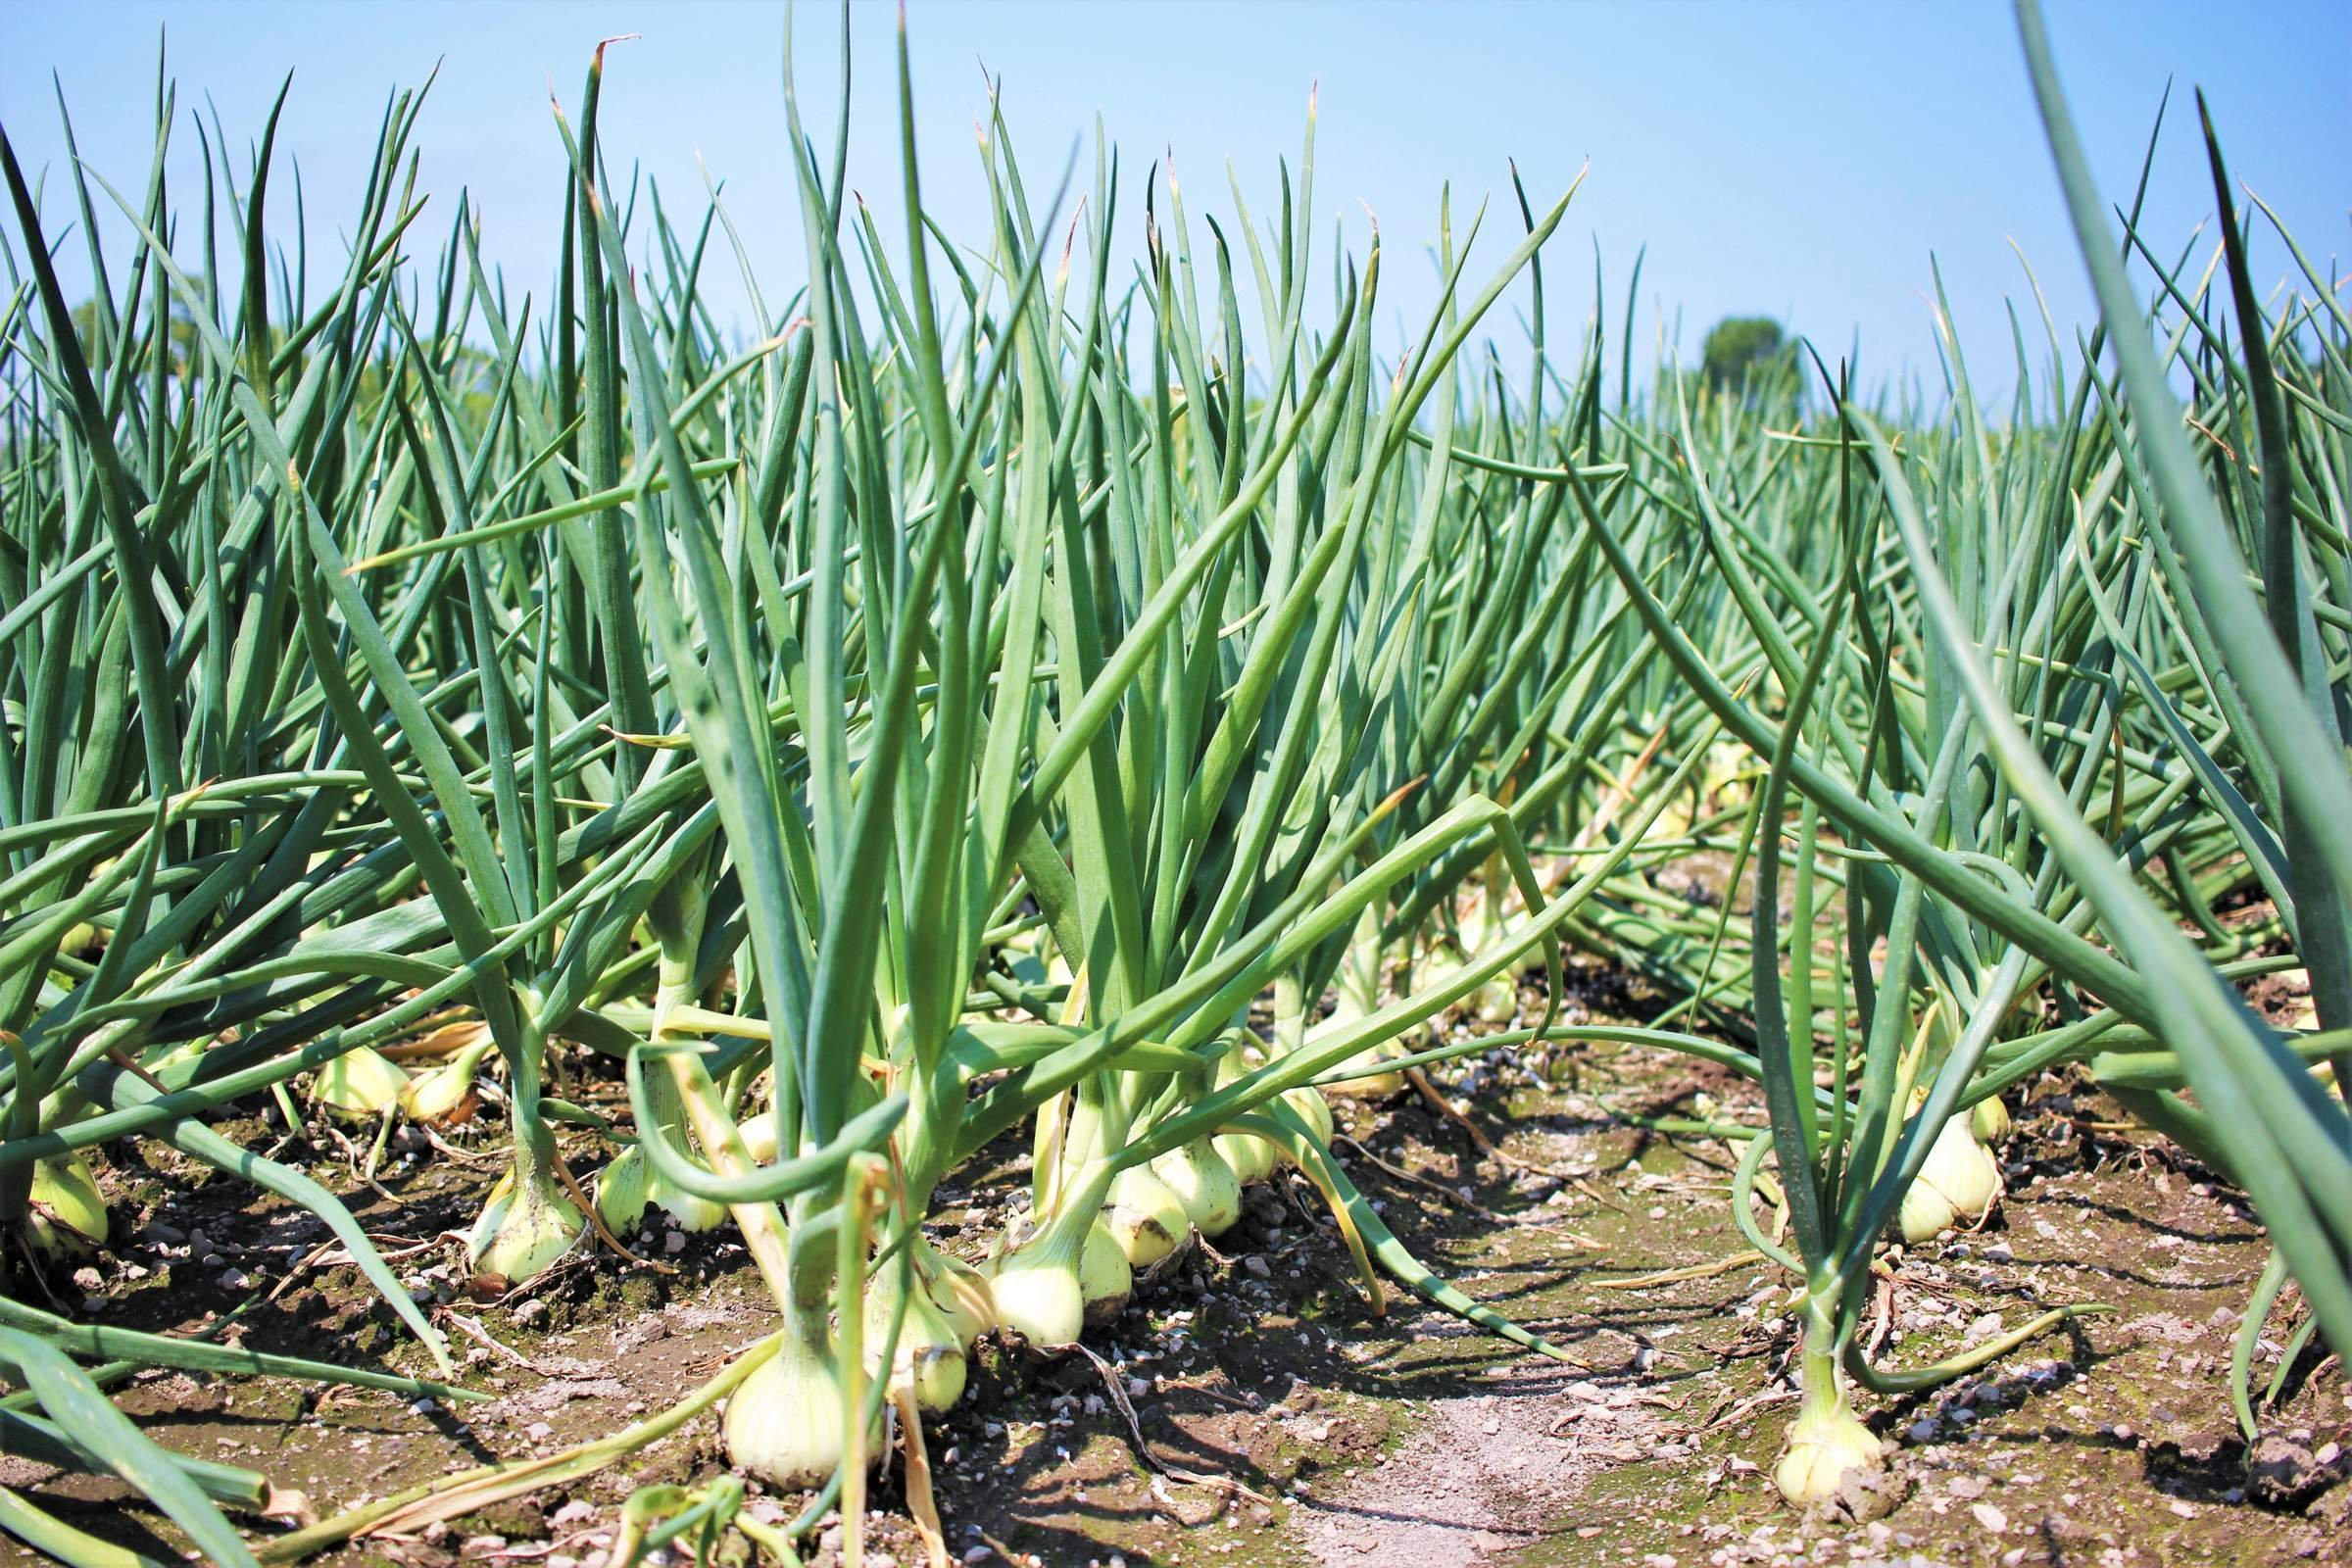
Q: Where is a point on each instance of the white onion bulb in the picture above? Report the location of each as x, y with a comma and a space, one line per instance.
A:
1203, 1183
1956, 1185
523, 1230
784, 1424
930, 1356
1105, 1280
360, 1084
1145, 1217
1038, 1295
68, 1212
1825, 1447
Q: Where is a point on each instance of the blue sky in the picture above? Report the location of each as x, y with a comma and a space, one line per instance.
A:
1801, 159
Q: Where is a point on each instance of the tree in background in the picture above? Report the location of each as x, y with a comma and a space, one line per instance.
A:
1741, 347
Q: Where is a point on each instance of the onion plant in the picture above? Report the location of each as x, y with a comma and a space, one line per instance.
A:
2022, 806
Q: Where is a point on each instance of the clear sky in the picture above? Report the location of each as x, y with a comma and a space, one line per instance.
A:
1801, 159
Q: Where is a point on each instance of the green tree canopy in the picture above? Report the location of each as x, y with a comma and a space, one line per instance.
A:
1740, 345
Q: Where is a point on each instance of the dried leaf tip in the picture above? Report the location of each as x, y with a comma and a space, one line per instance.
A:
1398, 796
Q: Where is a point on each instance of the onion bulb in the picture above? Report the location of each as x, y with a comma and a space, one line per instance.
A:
1105, 1280
1203, 1183
1494, 1002
1375, 1085
444, 1094
630, 1185
1037, 1292
1249, 1157
1145, 1217
523, 1228
930, 1357
1495, 999
1481, 924
785, 1423
1826, 1443
1989, 1121
1307, 1103
1358, 998
68, 1213
1254, 1159
1956, 1185
360, 1084
960, 1292
760, 1137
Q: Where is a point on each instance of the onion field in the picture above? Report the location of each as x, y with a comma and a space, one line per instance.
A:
1056, 911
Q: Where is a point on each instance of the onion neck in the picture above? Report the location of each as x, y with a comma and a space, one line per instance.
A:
762, 1224
534, 1142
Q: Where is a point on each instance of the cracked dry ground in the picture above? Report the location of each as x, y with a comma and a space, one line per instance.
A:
1336, 1437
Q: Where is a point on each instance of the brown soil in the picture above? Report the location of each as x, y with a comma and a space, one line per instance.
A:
1402, 1437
